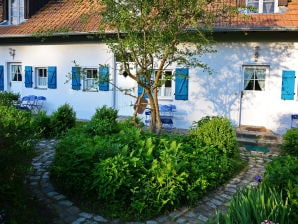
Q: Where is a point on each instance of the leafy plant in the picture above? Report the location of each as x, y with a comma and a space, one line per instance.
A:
254, 205
8, 98
62, 120
42, 124
282, 173
134, 174
216, 131
15, 128
103, 122
290, 142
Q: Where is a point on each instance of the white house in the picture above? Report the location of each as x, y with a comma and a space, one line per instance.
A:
254, 67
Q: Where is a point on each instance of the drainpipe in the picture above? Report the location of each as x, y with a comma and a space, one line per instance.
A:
240, 107
115, 83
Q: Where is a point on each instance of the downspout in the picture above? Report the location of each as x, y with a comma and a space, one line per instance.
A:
115, 83
241, 96
240, 107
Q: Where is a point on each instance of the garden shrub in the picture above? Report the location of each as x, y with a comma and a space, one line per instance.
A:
62, 120
16, 128
42, 124
282, 173
218, 132
290, 142
103, 122
133, 174
8, 98
255, 205
17, 137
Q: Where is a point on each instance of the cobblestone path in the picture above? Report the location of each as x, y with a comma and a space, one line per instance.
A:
68, 213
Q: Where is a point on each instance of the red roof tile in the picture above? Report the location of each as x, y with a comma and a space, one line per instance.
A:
67, 16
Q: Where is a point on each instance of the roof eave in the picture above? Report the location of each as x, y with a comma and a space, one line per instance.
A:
252, 29
88, 33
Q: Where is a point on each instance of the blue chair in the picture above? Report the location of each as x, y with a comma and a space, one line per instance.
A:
294, 120
38, 103
166, 115
148, 117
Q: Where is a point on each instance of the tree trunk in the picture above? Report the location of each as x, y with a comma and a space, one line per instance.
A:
155, 124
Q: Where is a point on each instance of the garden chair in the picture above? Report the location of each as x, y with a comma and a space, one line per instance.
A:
38, 103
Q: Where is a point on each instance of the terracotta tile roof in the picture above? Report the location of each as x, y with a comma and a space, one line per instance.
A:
287, 20
56, 17
60, 16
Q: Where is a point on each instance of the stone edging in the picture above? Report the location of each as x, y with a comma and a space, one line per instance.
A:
67, 212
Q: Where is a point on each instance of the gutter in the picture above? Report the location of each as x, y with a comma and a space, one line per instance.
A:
253, 29
214, 29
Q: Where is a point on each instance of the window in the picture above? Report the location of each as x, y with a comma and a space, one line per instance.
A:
254, 78
261, 6
42, 77
16, 11
90, 79
16, 73
165, 89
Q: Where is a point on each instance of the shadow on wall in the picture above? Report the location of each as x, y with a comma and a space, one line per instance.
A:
219, 94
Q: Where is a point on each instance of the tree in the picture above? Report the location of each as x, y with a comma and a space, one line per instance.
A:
155, 34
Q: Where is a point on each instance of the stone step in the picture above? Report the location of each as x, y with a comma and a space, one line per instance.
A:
258, 136
260, 142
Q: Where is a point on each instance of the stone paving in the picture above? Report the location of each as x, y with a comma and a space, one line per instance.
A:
68, 213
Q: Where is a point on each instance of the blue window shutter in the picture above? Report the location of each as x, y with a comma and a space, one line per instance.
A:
52, 77
1, 77
28, 76
76, 78
288, 85
140, 89
181, 84
103, 79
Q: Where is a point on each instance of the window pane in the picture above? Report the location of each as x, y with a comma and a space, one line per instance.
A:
168, 92
42, 77
250, 85
254, 6
90, 82
254, 78
248, 73
16, 74
260, 73
268, 6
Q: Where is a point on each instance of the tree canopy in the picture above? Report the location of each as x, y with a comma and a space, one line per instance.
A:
155, 34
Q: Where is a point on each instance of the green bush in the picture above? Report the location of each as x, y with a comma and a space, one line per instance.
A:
16, 128
62, 120
282, 173
133, 174
218, 132
8, 98
103, 122
42, 124
255, 205
290, 142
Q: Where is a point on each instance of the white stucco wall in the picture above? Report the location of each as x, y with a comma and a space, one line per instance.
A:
215, 94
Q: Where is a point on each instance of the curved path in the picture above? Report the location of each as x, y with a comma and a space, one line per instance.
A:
68, 213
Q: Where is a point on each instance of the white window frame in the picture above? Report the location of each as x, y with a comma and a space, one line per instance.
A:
90, 84
163, 92
16, 11
254, 78
41, 82
13, 74
260, 6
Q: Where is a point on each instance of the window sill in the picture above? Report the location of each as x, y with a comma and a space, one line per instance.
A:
41, 88
88, 90
165, 98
